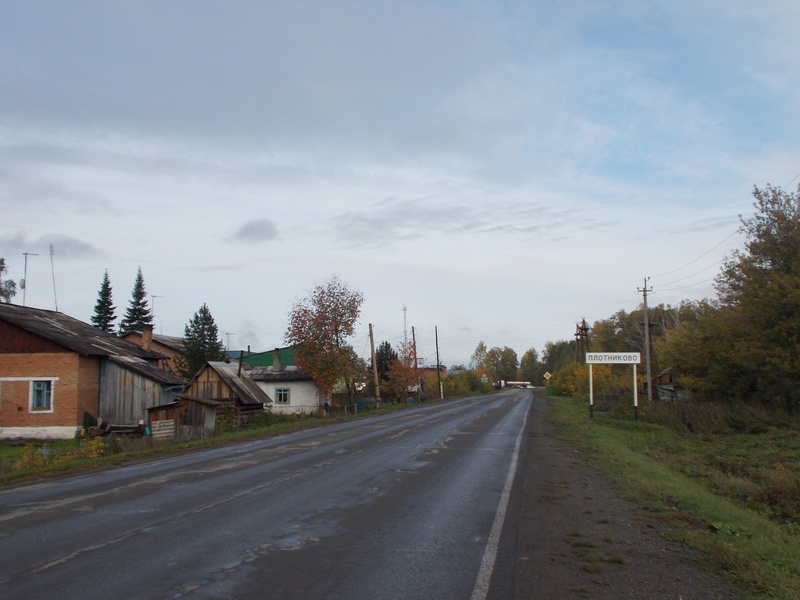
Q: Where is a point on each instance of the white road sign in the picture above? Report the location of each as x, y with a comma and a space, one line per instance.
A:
613, 358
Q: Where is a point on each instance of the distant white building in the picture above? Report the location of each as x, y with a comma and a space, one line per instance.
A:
291, 389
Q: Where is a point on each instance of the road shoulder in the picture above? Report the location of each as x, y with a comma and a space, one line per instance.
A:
577, 538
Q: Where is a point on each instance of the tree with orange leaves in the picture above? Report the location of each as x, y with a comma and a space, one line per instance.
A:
401, 378
319, 326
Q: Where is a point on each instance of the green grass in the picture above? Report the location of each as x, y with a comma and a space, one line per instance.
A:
734, 497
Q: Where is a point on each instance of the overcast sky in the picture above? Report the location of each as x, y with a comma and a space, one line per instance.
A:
502, 169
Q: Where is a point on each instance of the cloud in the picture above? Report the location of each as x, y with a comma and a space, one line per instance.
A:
64, 246
395, 220
260, 230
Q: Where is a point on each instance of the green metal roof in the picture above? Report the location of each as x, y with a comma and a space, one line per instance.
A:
264, 359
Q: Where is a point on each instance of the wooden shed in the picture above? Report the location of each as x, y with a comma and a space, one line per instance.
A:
232, 387
185, 418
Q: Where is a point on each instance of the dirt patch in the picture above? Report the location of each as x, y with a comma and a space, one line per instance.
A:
577, 538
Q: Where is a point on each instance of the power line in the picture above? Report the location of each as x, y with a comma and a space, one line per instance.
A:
692, 275
699, 257
686, 287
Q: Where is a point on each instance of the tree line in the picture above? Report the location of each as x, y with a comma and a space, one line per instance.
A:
741, 346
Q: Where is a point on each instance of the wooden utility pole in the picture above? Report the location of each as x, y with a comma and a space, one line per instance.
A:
438, 366
374, 366
644, 291
416, 368
581, 341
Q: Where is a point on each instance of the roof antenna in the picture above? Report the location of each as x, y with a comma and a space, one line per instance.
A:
53, 271
24, 283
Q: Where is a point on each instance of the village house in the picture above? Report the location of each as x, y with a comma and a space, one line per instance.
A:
292, 390
169, 346
59, 375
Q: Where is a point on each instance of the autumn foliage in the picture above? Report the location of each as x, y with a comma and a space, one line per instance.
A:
401, 378
320, 326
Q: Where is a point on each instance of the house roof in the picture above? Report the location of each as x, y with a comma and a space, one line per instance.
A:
290, 373
246, 389
142, 367
265, 359
70, 333
170, 341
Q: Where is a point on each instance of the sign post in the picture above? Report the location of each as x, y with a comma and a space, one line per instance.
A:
614, 358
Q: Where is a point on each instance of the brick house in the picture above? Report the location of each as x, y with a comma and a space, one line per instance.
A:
169, 346
59, 374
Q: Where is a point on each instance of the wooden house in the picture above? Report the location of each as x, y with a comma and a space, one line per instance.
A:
59, 374
231, 387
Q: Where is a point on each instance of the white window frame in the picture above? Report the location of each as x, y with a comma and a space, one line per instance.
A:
288, 394
51, 395
32, 381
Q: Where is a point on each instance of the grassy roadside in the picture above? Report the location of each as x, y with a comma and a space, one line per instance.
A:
23, 462
732, 497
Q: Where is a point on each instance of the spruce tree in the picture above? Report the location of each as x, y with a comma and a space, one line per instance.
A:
104, 315
201, 344
138, 313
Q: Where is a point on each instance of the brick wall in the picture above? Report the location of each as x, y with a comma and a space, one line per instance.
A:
74, 391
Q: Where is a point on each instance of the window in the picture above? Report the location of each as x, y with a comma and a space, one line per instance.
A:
282, 395
42, 395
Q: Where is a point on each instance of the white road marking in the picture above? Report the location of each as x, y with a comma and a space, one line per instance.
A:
481, 589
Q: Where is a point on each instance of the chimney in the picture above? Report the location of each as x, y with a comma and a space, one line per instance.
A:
147, 337
276, 359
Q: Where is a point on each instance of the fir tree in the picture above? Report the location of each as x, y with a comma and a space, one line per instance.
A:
138, 313
201, 344
104, 315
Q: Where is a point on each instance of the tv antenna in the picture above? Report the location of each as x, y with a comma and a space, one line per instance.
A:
153, 309
405, 327
24, 283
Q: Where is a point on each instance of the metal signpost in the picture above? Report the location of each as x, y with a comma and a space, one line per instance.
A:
614, 358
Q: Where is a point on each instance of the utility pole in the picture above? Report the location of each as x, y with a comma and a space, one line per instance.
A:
581, 341
416, 369
438, 365
374, 367
644, 292
24, 284
228, 335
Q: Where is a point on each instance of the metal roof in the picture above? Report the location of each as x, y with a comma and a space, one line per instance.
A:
288, 356
143, 367
289, 373
70, 333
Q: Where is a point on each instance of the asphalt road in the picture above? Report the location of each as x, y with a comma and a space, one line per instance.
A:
405, 505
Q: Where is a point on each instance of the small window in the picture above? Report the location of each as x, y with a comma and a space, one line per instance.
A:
282, 395
41, 395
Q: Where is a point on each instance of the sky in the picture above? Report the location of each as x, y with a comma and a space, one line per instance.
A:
488, 171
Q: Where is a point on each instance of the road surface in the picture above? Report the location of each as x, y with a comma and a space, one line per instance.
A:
407, 505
